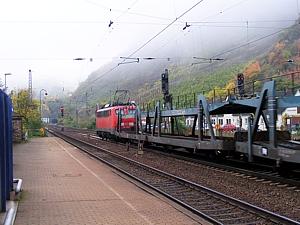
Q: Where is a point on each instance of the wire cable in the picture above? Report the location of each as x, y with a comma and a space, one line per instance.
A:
147, 42
250, 42
243, 45
180, 23
131, 13
177, 20
160, 32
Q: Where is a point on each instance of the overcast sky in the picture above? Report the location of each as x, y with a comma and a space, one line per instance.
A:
46, 35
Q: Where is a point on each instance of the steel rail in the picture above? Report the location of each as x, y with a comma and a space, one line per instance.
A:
258, 173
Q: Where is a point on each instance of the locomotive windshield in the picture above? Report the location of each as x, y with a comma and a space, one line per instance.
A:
130, 112
105, 113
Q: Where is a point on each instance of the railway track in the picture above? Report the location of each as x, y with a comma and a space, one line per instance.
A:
237, 168
260, 173
212, 205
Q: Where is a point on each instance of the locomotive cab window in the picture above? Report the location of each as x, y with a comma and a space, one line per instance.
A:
103, 113
131, 111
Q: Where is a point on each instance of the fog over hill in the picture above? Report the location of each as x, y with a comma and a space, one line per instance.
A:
241, 32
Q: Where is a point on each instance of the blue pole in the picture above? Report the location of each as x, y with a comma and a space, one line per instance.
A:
9, 155
2, 153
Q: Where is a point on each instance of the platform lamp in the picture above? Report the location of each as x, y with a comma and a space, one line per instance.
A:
6, 74
46, 93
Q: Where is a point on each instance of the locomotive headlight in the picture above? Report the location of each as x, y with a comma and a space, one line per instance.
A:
131, 124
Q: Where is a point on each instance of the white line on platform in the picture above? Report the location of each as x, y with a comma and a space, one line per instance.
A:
107, 185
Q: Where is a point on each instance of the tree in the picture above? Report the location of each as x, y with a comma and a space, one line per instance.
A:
27, 109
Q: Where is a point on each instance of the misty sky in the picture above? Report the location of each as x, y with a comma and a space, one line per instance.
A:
45, 36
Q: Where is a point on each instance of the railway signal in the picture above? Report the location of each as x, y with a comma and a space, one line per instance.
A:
240, 84
165, 89
165, 82
62, 111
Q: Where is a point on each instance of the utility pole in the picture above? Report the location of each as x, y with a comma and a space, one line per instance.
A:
86, 103
41, 105
5, 87
62, 117
76, 112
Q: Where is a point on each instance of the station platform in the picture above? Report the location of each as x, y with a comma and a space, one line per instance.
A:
62, 185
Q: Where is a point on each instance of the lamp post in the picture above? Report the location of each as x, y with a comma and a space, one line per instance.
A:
6, 74
41, 101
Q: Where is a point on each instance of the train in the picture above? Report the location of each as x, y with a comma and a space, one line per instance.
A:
111, 118
159, 126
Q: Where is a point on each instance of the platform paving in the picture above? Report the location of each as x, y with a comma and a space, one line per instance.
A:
62, 185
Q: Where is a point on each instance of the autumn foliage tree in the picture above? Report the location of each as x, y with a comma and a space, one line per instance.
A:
27, 109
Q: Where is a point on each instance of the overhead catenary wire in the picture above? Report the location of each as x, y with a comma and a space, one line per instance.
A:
175, 38
132, 13
250, 42
173, 23
147, 42
165, 28
111, 22
244, 45
141, 57
242, 21
178, 22
159, 17
116, 20
127, 10
215, 56
138, 59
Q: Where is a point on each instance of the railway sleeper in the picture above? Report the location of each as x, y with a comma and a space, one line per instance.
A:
176, 191
196, 199
192, 201
244, 220
191, 193
220, 210
234, 216
173, 187
156, 184
210, 204
181, 193
257, 222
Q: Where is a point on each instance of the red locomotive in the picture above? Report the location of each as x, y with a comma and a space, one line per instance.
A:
116, 118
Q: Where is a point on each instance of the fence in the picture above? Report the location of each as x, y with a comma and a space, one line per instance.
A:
6, 157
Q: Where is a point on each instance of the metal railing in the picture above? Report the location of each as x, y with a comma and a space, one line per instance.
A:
287, 84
